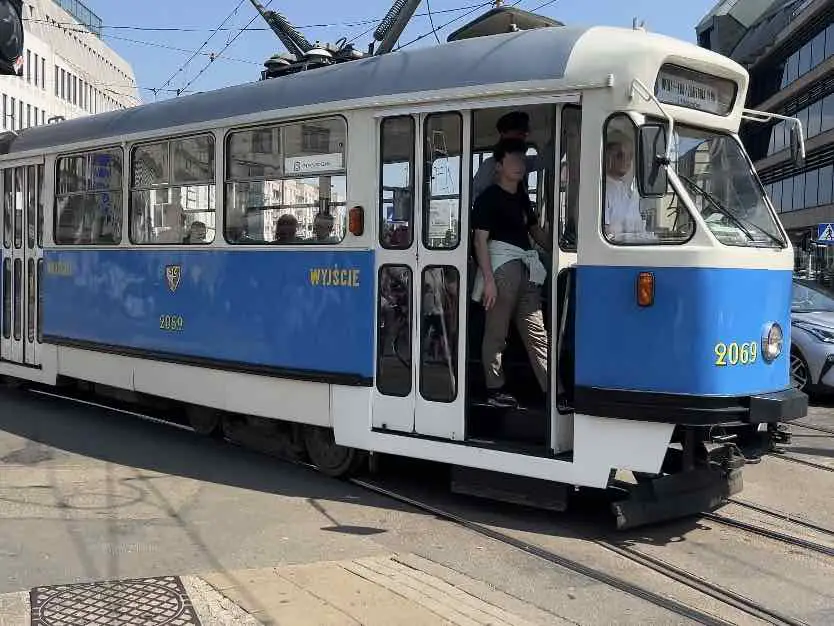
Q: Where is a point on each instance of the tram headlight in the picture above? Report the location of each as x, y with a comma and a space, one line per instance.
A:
772, 341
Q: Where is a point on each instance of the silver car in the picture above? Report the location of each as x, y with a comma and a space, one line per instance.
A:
812, 339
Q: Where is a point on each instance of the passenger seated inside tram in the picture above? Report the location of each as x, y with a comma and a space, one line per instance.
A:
196, 233
622, 219
323, 228
286, 229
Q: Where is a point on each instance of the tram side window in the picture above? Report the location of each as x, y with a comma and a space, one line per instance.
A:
88, 199
39, 171
569, 175
31, 300
173, 193
7, 298
439, 334
287, 184
393, 364
627, 217
441, 212
19, 191
8, 206
31, 207
396, 194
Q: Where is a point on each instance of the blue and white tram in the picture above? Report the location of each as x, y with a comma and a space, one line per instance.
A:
298, 250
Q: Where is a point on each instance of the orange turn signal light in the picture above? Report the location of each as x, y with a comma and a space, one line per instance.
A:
645, 289
356, 221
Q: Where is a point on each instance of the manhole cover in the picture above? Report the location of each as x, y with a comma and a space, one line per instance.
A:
145, 602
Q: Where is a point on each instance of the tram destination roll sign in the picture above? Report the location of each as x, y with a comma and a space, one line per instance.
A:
694, 90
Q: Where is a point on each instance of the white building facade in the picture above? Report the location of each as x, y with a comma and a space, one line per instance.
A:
68, 71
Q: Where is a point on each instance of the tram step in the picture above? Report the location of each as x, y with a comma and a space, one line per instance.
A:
532, 492
528, 425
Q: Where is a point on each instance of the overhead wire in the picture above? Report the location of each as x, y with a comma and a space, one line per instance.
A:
156, 44
349, 24
431, 20
226, 47
205, 43
214, 56
449, 23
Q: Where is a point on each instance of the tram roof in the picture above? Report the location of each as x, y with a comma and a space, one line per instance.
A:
529, 55
525, 55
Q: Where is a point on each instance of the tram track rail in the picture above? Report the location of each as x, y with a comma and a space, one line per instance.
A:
784, 456
783, 516
684, 610
725, 596
816, 427
770, 533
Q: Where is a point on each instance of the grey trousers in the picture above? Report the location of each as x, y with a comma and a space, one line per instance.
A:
518, 300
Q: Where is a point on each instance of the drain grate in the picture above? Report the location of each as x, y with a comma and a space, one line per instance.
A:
141, 602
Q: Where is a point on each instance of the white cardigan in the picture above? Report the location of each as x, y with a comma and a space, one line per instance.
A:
501, 252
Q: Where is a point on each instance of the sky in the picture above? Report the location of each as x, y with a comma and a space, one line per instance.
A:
170, 43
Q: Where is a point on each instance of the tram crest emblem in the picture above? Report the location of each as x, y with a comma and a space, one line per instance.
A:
173, 275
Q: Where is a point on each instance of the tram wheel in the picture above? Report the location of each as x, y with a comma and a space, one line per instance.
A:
329, 457
205, 421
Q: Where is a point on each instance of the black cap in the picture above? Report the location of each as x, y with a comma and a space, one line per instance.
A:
516, 120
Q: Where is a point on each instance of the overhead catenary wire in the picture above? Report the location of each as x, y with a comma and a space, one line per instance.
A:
205, 43
180, 29
449, 23
226, 47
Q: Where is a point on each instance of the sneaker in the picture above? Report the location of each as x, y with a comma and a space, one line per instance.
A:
501, 400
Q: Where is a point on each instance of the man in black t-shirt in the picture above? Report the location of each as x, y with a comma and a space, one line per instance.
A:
511, 273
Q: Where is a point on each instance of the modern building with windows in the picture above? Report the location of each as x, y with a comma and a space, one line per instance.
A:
788, 48
68, 71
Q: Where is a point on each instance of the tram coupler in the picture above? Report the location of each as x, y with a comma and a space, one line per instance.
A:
707, 475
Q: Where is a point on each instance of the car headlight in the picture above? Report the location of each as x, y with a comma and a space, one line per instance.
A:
823, 334
772, 341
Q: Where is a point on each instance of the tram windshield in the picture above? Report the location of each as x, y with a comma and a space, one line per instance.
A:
719, 179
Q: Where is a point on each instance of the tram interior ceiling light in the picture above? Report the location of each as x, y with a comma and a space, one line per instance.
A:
11, 37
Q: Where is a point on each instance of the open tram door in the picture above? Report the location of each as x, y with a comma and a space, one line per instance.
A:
429, 371
21, 187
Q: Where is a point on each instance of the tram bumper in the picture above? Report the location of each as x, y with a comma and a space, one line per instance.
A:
689, 410
690, 492
781, 406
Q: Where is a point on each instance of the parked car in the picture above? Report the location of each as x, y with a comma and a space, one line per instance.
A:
812, 339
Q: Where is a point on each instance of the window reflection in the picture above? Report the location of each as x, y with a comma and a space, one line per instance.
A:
8, 206
287, 184
17, 288
439, 334
396, 202
444, 145
812, 54
7, 298
805, 190
393, 376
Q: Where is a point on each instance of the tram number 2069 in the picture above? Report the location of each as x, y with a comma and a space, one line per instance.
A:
736, 353
171, 323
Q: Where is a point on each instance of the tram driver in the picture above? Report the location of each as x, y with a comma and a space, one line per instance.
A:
622, 200
510, 274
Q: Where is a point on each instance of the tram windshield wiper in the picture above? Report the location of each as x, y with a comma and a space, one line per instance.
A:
727, 212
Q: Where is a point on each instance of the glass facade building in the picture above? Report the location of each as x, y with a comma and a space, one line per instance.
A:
788, 48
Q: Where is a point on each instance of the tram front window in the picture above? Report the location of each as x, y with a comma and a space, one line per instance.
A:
719, 178
714, 172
